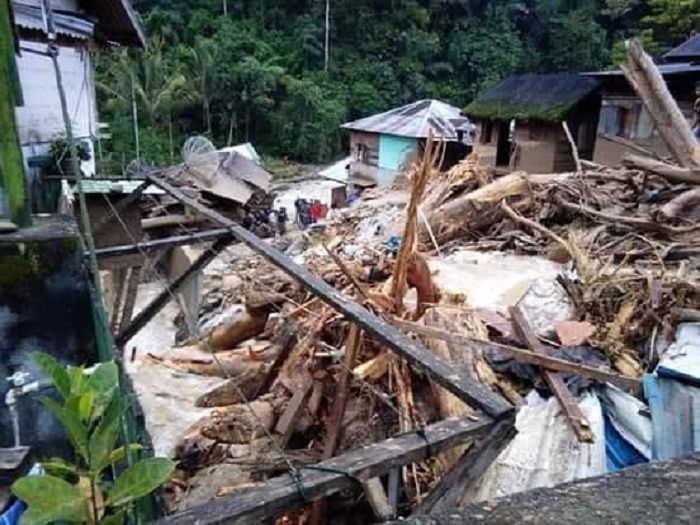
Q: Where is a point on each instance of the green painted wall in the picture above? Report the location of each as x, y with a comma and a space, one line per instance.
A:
393, 151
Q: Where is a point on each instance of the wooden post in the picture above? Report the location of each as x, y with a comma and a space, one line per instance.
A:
11, 163
554, 381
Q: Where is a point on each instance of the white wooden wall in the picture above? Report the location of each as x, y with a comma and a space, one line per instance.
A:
40, 120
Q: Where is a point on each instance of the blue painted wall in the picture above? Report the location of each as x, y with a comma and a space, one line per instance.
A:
393, 151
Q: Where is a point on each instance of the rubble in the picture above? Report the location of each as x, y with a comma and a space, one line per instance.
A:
528, 290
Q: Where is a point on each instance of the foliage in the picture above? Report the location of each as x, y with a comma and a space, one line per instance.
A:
90, 410
257, 73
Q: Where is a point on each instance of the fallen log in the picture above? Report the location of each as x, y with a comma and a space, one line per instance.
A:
479, 209
229, 335
668, 171
672, 126
685, 206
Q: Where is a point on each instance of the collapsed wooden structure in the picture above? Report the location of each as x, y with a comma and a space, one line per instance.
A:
490, 425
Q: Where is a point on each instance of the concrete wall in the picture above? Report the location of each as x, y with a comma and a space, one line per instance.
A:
541, 148
40, 120
395, 153
44, 305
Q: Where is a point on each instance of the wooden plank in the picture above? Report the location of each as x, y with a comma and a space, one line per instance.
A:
287, 421
334, 427
554, 380
455, 483
377, 499
145, 315
132, 288
160, 244
342, 472
524, 356
120, 277
472, 392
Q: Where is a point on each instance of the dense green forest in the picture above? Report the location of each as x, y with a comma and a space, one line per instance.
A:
256, 70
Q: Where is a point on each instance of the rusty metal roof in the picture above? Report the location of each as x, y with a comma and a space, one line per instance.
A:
417, 120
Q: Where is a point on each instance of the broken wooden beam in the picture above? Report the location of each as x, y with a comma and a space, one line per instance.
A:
416, 354
160, 244
524, 356
378, 500
554, 380
285, 493
456, 482
155, 306
287, 422
334, 426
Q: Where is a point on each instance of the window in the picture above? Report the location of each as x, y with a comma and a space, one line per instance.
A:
361, 153
486, 132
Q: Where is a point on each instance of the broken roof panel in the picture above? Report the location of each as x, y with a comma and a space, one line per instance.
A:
417, 120
539, 97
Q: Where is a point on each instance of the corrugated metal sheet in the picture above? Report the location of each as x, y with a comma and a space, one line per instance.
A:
664, 69
67, 24
417, 120
674, 396
112, 20
688, 50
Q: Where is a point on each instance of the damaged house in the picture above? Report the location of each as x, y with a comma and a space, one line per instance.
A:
82, 28
519, 122
625, 122
382, 145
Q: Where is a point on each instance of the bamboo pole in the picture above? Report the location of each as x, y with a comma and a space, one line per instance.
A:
11, 164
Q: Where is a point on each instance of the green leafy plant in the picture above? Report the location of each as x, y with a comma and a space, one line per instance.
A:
90, 410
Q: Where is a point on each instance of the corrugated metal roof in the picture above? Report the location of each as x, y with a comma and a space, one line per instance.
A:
67, 24
112, 20
688, 50
664, 69
417, 120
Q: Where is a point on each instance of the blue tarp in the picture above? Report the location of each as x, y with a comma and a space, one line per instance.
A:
12, 514
619, 453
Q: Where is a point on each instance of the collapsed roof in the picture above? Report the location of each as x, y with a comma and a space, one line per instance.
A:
417, 120
538, 97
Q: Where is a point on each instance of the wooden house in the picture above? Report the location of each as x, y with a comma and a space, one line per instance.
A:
625, 122
82, 29
519, 122
383, 145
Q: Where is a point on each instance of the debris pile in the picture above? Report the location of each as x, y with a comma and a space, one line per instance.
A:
306, 379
